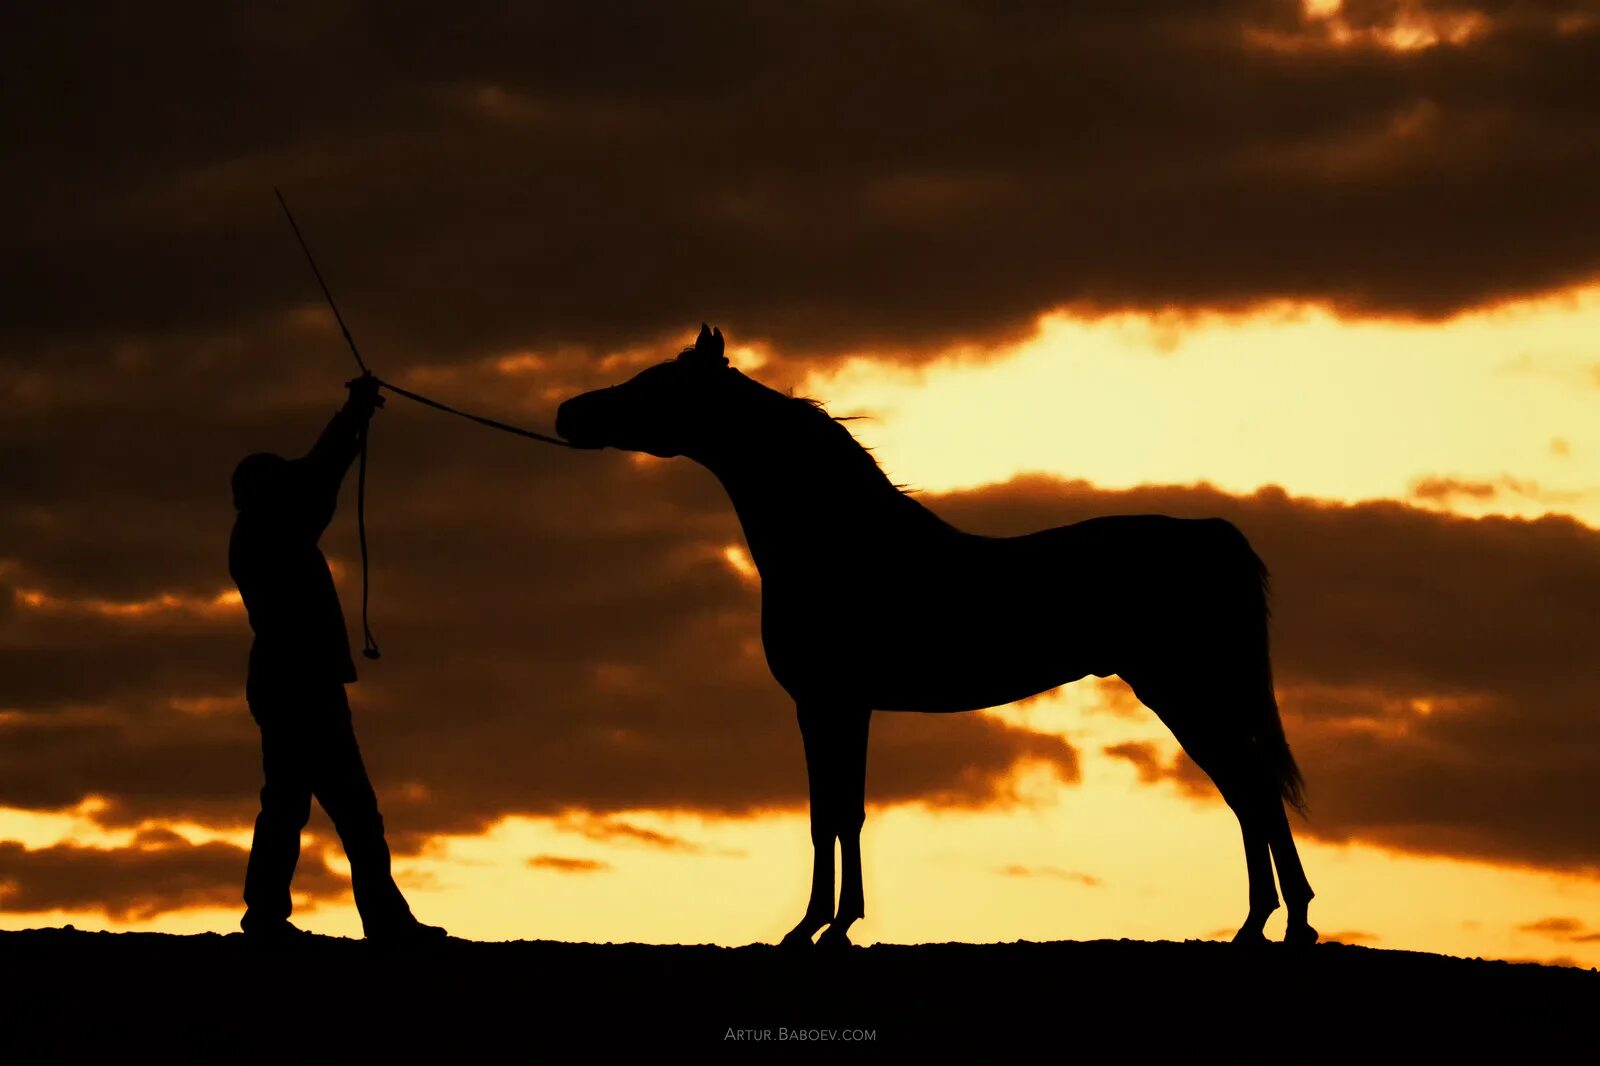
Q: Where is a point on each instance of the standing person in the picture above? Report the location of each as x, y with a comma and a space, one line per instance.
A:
300, 663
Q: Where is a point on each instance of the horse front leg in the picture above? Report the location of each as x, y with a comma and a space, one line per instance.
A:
820, 757
850, 812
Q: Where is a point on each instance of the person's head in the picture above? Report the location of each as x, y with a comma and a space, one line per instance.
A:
260, 481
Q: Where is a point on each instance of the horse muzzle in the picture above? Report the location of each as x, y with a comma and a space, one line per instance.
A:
576, 421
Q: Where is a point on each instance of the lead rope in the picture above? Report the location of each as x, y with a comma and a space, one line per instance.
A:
504, 427
370, 646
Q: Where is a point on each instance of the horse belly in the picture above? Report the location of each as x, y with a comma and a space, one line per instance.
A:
967, 678
920, 667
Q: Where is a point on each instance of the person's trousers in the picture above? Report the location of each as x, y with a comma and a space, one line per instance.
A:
308, 748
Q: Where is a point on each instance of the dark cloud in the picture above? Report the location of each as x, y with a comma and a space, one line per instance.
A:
1019, 870
1568, 929
613, 831
159, 872
566, 864
1446, 490
1145, 758
1558, 960
1151, 767
825, 175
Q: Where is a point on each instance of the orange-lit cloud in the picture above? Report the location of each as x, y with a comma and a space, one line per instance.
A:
160, 871
225, 603
1408, 26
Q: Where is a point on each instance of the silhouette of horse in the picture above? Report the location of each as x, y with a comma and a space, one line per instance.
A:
872, 602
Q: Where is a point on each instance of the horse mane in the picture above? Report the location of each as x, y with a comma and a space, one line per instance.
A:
818, 430
834, 426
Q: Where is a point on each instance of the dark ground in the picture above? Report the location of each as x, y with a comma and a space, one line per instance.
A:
103, 997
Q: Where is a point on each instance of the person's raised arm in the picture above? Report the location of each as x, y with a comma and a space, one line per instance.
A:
340, 442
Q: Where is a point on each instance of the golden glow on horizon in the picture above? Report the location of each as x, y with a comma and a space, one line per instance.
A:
1503, 401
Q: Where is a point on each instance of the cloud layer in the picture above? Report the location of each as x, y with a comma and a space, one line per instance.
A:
864, 176
160, 871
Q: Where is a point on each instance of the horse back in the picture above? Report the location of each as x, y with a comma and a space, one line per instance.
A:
983, 620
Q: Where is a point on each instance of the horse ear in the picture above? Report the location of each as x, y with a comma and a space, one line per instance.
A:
712, 345
708, 348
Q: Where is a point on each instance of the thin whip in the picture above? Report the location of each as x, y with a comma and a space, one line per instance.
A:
304, 247
370, 645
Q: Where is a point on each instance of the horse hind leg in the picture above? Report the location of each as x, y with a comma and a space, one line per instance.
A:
1265, 763
1248, 787
1227, 757
1292, 876
1242, 792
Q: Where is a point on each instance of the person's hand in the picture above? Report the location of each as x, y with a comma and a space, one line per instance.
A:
364, 395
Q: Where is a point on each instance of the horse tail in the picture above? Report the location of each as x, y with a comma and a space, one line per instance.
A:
1268, 724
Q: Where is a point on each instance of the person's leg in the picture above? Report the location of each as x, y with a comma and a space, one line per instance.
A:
285, 807
339, 778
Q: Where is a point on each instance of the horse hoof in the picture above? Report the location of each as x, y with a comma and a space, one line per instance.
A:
1249, 938
795, 940
1300, 936
832, 941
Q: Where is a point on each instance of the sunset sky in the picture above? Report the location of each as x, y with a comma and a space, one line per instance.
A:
1328, 270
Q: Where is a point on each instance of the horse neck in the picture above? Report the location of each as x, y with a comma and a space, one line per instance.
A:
806, 492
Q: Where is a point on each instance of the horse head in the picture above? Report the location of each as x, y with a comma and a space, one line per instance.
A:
664, 410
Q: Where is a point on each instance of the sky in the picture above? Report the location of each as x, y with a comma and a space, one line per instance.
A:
1327, 270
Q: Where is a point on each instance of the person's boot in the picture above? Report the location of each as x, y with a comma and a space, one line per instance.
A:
273, 930
406, 931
